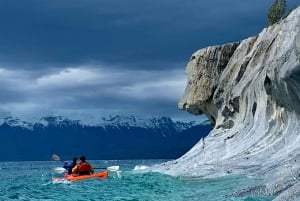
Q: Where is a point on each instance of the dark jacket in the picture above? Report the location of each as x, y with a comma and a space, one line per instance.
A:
69, 166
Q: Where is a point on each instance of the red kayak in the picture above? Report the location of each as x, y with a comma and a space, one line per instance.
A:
75, 177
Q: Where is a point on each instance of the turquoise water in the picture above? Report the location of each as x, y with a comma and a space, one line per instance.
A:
33, 181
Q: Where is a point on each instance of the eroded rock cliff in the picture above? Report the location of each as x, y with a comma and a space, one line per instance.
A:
250, 90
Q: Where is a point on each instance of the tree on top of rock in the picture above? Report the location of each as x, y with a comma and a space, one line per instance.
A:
276, 11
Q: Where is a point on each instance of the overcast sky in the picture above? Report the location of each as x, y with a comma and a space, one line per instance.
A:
86, 59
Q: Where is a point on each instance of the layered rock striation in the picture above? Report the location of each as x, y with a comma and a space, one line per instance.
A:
250, 90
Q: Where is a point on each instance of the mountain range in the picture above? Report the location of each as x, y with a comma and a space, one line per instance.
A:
115, 137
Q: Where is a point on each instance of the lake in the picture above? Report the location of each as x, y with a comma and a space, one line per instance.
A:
32, 180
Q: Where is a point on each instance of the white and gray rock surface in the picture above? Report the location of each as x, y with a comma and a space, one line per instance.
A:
250, 90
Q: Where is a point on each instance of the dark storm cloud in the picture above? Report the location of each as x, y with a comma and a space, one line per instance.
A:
90, 90
136, 34
91, 58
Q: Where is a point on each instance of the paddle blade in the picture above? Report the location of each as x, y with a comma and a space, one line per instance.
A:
55, 157
59, 170
113, 168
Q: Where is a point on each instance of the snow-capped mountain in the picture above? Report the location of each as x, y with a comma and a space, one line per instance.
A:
115, 137
117, 121
16, 122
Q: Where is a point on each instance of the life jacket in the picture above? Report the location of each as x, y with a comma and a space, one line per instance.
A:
84, 168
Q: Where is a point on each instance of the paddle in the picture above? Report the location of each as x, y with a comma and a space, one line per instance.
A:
62, 170
56, 158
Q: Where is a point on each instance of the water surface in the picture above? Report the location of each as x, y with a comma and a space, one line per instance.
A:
33, 181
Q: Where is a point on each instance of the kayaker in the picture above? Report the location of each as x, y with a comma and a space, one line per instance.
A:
71, 165
83, 168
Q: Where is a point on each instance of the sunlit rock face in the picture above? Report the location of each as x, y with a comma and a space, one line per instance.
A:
250, 90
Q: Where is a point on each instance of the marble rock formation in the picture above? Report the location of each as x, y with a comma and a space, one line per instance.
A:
250, 90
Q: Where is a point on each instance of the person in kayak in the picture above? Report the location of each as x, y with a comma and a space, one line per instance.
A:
69, 166
83, 168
